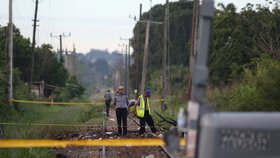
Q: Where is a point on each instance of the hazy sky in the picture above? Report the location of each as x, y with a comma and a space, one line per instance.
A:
93, 23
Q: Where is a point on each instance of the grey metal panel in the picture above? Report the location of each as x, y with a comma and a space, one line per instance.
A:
240, 135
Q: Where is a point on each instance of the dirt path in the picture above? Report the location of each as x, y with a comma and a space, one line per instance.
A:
110, 152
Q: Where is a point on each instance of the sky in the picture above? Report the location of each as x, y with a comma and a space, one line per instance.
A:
95, 24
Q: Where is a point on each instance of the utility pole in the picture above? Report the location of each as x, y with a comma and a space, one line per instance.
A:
125, 68
11, 51
193, 45
138, 54
197, 105
33, 42
165, 49
74, 60
66, 60
60, 43
122, 69
127, 65
60, 48
146, 51
145, 59
128, 70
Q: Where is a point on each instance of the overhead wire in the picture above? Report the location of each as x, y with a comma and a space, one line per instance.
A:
1, 20
18, 14
50, 25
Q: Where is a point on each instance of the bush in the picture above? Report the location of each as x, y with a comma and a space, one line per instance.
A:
258, 90
72, 91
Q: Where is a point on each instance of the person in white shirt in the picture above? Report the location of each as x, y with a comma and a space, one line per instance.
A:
122, 110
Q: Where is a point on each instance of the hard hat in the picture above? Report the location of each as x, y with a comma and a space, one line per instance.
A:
148, 92
121, 87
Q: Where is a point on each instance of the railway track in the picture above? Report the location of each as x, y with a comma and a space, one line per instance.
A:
109, 132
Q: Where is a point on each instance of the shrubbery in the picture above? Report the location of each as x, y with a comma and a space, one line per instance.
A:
258, 90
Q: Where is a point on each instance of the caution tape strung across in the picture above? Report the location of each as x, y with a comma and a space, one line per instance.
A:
90, 142
156, 100
61, 103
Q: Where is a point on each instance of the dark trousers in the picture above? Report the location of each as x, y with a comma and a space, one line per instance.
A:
122, 120
147, 118
107, 107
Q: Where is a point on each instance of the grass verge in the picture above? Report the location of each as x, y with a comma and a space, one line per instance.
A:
44, 114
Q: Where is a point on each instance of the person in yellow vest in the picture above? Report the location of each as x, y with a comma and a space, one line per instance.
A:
143, 112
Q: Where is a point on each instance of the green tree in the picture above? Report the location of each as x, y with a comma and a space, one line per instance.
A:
72, 90
258, 90
21, 49
238, 38
48, 68
226, 55
180, 33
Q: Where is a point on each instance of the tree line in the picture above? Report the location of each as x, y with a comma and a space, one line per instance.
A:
46, 68
244, 54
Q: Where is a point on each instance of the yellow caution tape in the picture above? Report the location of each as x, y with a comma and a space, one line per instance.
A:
89, 142
61, 103
156, 100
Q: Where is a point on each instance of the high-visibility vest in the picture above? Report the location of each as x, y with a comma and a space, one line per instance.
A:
140, 109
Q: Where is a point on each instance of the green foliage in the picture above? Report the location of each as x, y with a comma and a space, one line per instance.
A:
47, 67
259, 89
3, 65
72, 91
21, 49
28, 153
238, 38
156, 82
180, 34
57, 114
3, 85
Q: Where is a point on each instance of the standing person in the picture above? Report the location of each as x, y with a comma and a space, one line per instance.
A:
142, 109
121, 103
108, 99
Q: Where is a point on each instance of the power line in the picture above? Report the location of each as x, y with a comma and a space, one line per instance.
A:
17, 11
60, 43
127, 65
1, 20
49, 12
